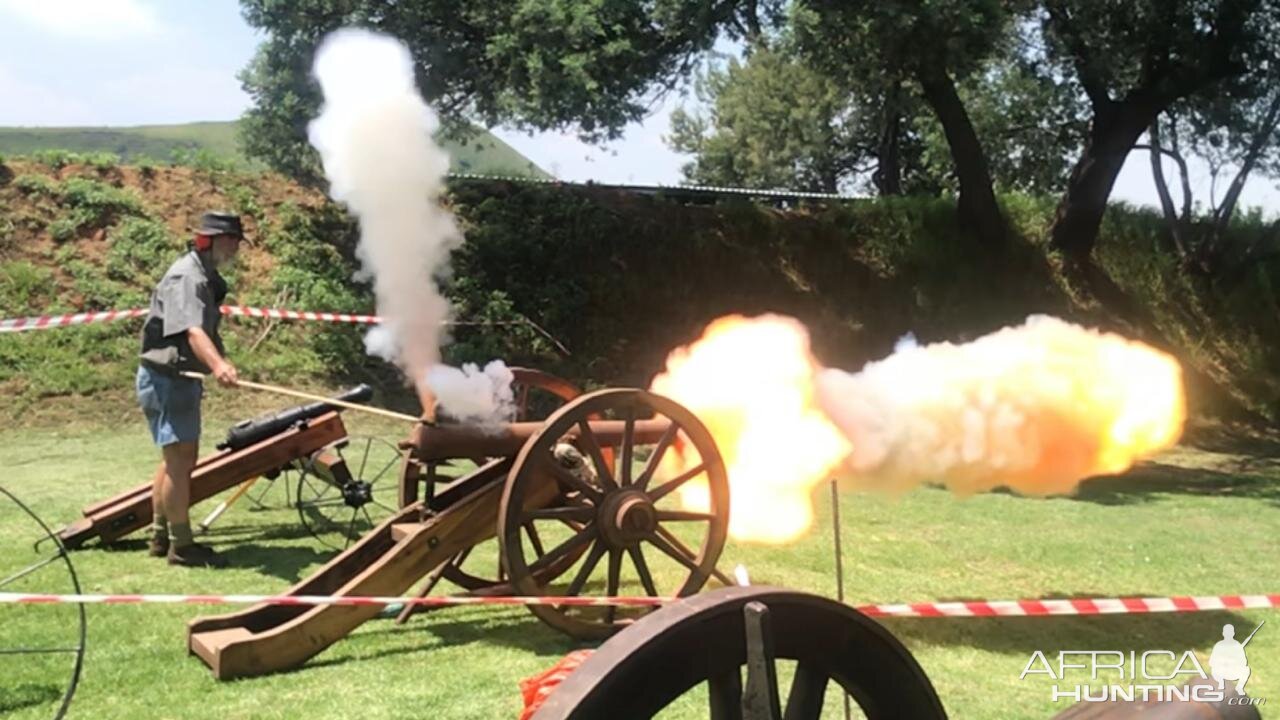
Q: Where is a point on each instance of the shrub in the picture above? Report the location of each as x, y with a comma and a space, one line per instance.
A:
56, 159
140, 250
35, 185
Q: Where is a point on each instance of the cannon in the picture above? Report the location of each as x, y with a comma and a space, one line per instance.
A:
307, 440
586, 500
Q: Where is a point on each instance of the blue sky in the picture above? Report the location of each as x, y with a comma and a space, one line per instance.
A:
135, 62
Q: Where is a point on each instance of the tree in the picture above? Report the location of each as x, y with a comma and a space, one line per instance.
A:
773, 121
931, 43
1134, 59
1233, 133
590, 65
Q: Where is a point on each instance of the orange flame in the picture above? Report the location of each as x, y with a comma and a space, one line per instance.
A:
1037, 408
751, 383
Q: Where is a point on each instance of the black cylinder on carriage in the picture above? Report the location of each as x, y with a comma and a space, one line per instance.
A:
248, 432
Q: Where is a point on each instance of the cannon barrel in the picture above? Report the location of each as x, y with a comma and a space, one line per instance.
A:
444, 442
248, 432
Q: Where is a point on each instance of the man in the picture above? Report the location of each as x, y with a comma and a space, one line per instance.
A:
181, 334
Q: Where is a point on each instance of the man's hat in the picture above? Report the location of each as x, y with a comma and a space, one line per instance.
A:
220, 223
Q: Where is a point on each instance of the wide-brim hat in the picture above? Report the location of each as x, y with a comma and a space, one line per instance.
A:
220, 223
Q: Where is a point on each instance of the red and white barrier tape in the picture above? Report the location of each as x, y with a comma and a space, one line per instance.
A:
980, 608
46, 322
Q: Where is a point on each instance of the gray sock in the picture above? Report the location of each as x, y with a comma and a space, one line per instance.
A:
180, 534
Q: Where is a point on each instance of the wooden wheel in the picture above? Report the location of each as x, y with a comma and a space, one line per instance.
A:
628, 515
697, 651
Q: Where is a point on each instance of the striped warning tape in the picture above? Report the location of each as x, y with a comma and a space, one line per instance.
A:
44, 322
979, 608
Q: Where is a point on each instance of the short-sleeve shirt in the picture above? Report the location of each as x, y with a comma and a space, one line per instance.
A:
189, 295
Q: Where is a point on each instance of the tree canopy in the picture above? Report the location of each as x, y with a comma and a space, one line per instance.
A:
975, 95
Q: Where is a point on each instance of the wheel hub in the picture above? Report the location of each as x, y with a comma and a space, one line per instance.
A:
626, 517
357, 494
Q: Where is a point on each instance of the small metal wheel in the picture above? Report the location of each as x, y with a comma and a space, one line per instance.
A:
347, 489
624, 515
41, 646
748, 653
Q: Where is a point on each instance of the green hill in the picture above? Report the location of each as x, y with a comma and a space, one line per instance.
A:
484, 154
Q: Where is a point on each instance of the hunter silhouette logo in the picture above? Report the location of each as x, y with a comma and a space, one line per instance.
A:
1228, 661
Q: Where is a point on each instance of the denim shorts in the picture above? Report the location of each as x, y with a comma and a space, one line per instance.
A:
171, 404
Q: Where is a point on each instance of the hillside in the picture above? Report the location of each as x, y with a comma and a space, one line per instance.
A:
613, 280
484, 154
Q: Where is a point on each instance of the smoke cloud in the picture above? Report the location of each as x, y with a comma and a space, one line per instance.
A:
374, 136
472, 395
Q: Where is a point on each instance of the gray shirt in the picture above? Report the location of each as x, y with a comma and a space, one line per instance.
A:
189, 295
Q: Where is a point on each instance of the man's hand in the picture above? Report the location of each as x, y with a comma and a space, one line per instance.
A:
225, 372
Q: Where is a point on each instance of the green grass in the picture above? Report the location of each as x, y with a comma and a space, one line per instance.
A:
485, 153
1193, 522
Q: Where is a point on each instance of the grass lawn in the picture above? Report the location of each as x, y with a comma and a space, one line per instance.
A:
1193, 522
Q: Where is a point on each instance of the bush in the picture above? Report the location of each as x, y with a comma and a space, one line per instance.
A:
56, 159
101, 161
35, 185
139, 252
25, 288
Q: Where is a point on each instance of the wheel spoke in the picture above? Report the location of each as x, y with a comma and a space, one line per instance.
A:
571, 513
381, 472
611, 589
642, 569
664, 442
37, 651
534, 539
808, 690
681, 515
30, 569
584, 572
574, 543
628, 446
351, 527
725, 693
684, 477
567, 477
588, 438
673, 551
368, 443
522, 405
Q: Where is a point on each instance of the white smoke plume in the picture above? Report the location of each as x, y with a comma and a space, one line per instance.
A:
374, 135
472, 395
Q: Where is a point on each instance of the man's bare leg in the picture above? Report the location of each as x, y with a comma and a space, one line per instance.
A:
179, 460
159, 516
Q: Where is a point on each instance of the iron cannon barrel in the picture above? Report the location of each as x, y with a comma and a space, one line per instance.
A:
443, 442
248, 432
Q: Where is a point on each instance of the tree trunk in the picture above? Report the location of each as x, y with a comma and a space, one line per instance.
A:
977, 202
1261, 139
888, 174
1162, 189
1079, 215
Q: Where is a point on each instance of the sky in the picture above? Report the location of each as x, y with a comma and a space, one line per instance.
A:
140, 62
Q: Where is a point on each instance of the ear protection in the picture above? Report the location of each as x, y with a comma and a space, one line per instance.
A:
203, 242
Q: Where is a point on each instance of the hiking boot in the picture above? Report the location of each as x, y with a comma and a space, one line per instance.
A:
195, 555
159, 545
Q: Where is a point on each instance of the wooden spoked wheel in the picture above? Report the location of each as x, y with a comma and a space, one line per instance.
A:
748, 652
627, 523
